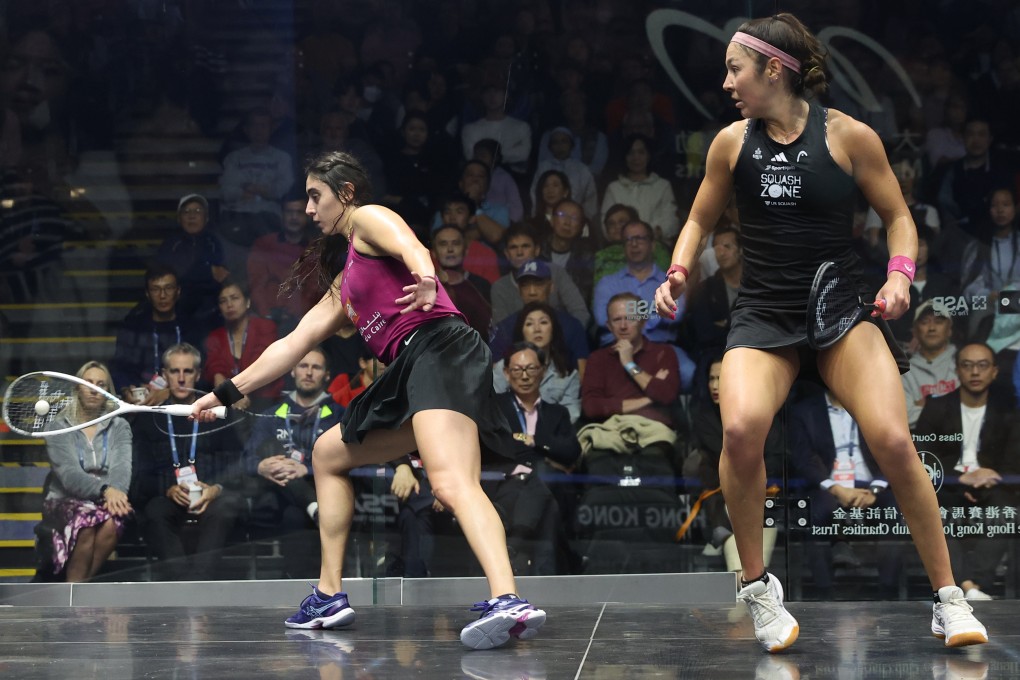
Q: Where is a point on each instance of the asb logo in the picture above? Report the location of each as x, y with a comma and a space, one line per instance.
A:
933, 466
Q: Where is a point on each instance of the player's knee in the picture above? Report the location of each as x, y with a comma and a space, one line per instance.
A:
451, 491
744, 438
329, 459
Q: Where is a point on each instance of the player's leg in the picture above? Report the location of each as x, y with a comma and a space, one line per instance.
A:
449, 449
332, 460
753, 385
862, 374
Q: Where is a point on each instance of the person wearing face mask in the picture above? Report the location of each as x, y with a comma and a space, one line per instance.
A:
389, 289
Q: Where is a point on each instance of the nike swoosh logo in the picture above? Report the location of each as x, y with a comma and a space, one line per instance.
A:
410, 338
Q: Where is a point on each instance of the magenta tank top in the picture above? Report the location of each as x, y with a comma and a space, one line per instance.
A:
369, 287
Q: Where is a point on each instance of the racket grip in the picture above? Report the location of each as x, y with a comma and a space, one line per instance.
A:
185, 410
880, 305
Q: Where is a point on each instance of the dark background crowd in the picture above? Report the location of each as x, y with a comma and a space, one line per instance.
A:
547, 152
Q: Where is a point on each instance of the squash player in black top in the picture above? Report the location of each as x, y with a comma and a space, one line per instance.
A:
795, 168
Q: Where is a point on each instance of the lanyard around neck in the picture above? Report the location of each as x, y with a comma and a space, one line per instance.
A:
173, 441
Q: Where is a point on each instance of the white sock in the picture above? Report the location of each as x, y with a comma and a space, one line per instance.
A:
312, 508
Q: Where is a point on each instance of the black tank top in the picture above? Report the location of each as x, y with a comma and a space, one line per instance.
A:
796, 208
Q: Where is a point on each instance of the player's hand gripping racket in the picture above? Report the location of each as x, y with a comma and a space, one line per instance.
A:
34, 400
835, 306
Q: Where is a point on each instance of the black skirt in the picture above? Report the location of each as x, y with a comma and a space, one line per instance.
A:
443, 364
761, 328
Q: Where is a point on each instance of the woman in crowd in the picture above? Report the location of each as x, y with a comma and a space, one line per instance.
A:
537, 323
233, 347
86, 503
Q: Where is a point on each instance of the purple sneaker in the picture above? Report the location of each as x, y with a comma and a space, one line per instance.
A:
319, 610
502, 618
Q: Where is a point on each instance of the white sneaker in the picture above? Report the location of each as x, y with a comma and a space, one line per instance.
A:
775, 628
977, 594
952, 618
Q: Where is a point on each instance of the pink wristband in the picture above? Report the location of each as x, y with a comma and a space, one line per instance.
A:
678, 268
903, 265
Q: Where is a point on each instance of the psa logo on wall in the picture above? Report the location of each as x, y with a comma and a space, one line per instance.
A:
933, 466
842, 69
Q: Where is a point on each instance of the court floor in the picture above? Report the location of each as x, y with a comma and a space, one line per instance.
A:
843, 640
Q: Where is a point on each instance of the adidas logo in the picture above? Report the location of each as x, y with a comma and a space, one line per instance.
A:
779, 158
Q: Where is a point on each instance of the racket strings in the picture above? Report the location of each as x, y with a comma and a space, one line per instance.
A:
837, 307
33, 402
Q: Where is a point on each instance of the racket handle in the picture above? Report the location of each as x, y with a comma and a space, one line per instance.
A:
185, 410
880, 305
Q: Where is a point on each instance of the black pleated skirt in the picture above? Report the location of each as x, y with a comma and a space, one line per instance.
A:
761, 328
444, 364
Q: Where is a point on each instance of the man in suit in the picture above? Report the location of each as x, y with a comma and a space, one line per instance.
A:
973, 436
544, 440
828, 452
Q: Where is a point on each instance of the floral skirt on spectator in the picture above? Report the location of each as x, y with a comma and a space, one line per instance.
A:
446, 365
67, 517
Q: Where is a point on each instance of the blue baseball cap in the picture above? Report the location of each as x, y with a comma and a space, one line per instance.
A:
536, 269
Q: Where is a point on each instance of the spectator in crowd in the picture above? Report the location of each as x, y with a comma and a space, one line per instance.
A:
545, 441
413, 172
590, 144
459, 211
924, 215
649, 194
346, 386
197, 255
411, 555
279, 452
963, 194
552, 186
86, 502
990, 267
566, 247
502, 187
489, 218
612, 256
513, 135
33, 229
145, 333
579, 177
34, 87
712, 300
702, 463
337, 132
186, 473
944, 144
232, 347
470, 293
929, 284
640, 276
933, 367
521, 248
538, 324
536, 286
254, 180
270, 264
344, 350
633, 375
973, 435
829, 453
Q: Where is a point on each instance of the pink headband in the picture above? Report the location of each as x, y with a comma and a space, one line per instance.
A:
768, 50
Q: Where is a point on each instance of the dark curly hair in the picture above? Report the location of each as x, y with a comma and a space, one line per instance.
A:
789, 34
348, 180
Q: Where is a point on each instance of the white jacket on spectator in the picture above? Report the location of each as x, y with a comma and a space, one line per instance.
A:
653, 199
